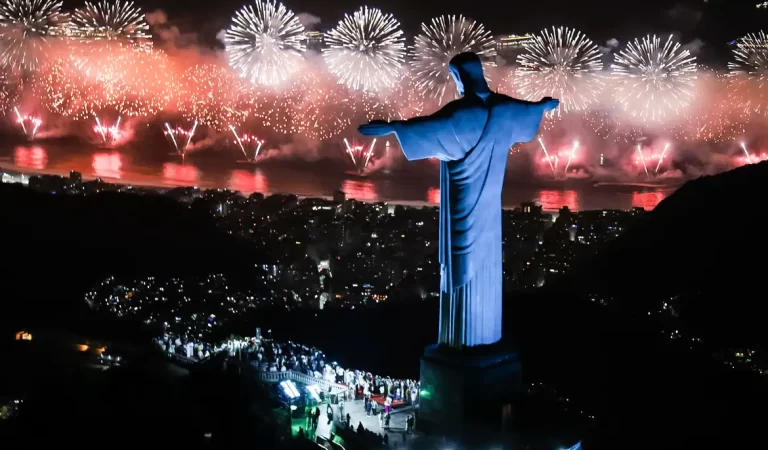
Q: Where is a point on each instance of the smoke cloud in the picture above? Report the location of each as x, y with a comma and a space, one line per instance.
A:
309, 21
309, 116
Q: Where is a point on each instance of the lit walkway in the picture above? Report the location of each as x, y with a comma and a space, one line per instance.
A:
356, 410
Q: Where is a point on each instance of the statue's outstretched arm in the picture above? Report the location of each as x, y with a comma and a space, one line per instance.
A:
432, 136
377, 128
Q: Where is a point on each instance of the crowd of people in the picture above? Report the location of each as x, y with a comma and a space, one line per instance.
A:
380, 394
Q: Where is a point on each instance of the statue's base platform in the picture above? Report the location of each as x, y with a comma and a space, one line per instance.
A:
467, 391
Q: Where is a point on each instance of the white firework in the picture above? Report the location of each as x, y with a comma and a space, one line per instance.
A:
748, 74
265, 44
441, 40
26, 27
654, 80
562, 63
111, 20
366, 50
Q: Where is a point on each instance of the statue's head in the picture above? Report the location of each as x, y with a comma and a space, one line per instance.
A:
467, 72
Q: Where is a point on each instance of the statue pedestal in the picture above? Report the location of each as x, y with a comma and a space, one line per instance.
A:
468, 390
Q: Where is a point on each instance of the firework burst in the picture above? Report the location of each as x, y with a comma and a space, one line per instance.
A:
441, 40
749, 73
265, 45
366, 50
128, 81
26, 27
10, 89
113, 20
654, 80
271, 108
561, 63
406, 99
211, 95
319, 110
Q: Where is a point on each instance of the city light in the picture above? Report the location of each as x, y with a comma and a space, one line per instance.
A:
289, 388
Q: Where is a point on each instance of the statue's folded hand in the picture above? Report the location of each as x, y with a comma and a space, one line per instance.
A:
376, 128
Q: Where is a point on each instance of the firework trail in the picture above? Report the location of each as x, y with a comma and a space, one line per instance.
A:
366, 50
247, 139
111, 20
561, 63
570, 155
109, 134
546, 154
33, 122
180, 138
746, 153
265, 45
642, 159
26, 28
748, 75
661, 158
358, 154
654, 80
441, 40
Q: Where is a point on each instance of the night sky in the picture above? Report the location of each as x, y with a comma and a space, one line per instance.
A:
713, 22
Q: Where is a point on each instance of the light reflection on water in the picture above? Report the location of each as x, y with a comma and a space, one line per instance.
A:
360, 190
180, 174
305, 181
433, 195
647, 200
30, 157
552, 200
107, 165
248, 182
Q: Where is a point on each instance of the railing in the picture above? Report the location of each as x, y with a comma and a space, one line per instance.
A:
182, 359
298, 377
276, 377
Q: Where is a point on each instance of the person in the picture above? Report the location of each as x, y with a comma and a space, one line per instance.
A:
329, 412
471, 137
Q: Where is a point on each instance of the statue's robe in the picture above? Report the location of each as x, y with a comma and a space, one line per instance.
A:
471, 137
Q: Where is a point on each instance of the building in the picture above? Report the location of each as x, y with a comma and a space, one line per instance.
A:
315, 40
75, 177
531, 208
509, 46
340, 202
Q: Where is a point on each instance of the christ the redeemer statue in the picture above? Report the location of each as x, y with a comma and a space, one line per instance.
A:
471, 137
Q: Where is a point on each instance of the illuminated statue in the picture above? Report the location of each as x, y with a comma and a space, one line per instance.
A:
471, 137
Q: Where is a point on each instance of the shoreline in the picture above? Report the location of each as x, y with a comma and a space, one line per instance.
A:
7, 166
13, 170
